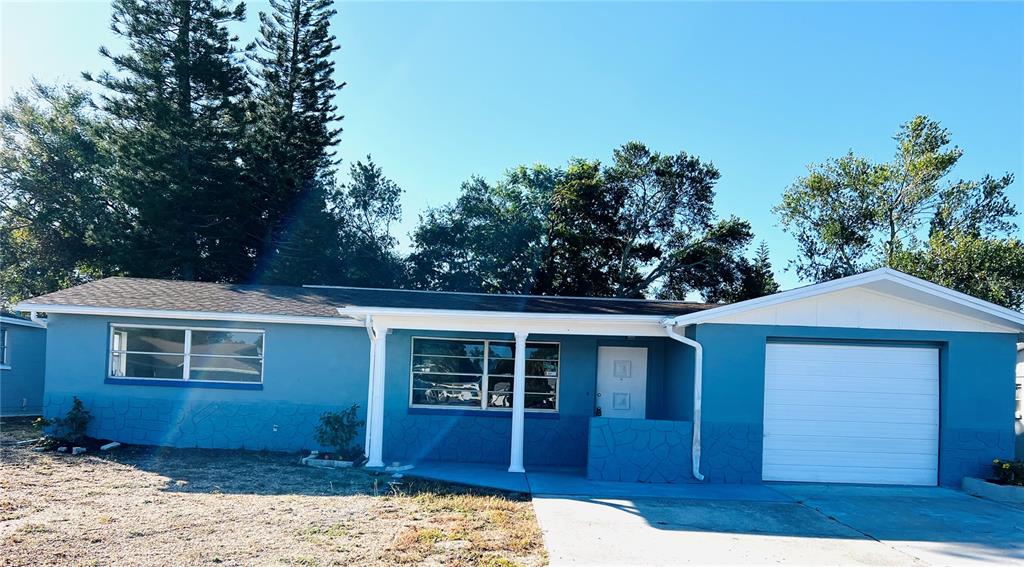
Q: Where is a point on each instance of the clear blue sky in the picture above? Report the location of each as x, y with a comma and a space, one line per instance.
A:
439, 92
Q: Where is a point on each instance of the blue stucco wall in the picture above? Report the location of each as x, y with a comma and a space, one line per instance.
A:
307, 370
976, 386
678, 389
21, 386
418, 434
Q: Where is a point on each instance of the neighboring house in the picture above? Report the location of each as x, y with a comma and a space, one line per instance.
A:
875, 378
22, 365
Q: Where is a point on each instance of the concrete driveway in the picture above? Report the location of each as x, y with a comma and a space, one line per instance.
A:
794, 524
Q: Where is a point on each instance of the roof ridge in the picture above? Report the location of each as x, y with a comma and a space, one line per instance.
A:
526, 295
312, 287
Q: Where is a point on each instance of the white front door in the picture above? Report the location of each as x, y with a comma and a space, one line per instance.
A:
851, 413
622, 381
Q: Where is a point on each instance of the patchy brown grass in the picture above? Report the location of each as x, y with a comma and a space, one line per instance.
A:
145, 506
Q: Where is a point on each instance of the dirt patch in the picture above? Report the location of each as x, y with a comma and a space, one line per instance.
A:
147, 506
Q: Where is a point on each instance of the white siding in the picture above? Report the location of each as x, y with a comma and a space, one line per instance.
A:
862, 308
850, 413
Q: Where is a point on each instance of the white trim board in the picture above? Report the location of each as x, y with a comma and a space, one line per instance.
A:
193, 315
25, 323
882, 298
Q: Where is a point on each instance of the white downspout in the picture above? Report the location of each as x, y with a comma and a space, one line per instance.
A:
698, 370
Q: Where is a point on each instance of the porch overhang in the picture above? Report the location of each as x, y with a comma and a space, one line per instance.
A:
379, 320
509, 322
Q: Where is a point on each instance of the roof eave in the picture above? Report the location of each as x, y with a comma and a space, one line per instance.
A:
1010, 316
184, 314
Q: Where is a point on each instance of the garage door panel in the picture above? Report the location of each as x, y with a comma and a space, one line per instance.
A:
863, 400
856, 444
843, 429
836, 369
926, 416
869, 385
851, 413
852, 459
853, 353
863, 475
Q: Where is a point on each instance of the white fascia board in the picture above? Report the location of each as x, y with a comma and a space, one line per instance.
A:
509, 322
22, 322
882, 274
1009, 315
194, 315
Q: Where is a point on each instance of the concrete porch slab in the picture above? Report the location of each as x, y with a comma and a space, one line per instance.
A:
472, 474
572, 482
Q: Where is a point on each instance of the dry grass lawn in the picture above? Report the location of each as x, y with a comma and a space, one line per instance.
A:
146, 506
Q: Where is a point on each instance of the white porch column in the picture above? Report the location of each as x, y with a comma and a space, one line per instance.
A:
375, 413
369, 383
518, 404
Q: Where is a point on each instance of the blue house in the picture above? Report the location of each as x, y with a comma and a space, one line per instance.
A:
875, 378
22, 364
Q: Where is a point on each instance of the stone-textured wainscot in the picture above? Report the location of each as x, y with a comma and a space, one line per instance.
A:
731, 452
640, 450
968, 452
483, 437
204, 424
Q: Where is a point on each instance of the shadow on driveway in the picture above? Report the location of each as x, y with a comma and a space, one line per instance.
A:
814, 524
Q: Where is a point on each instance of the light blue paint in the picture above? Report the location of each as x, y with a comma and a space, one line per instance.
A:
312, 369
640, 450
484, 436
307, 370
21, 386
976, 392
678, 388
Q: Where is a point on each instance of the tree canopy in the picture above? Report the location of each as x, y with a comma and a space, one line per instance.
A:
850, 214
642, 225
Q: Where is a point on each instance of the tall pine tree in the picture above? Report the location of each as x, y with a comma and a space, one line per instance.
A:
289, 164
176, 102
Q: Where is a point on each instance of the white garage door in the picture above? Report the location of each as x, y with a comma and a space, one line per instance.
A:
844, 413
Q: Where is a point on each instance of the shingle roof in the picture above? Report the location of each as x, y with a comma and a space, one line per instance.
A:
170, 295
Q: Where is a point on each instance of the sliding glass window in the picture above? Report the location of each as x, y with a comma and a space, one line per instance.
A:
175, 353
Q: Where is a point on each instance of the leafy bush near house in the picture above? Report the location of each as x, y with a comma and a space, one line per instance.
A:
1009, 472
72, 426
338, 429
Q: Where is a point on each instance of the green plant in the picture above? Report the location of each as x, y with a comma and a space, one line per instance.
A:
72, 426
338, 429
1009, 472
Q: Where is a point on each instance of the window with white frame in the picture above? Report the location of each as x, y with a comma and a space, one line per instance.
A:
179, 353
478, 374
4, 350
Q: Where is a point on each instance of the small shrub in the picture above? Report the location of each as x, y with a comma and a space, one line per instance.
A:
72, 426
338, 429
1009, 472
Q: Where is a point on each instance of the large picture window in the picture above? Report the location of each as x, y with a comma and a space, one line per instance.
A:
176, 353
477, 374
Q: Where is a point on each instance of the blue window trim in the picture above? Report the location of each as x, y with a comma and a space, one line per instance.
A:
183, 383
480, 413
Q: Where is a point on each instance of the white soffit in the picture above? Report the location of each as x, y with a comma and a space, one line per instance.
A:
881, 299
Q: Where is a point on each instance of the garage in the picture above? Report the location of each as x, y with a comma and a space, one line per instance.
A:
851, 413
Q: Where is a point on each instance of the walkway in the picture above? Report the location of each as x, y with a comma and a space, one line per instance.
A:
607, 523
